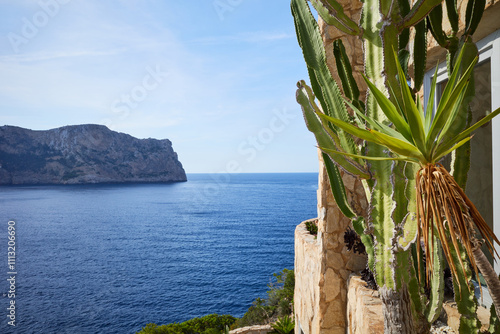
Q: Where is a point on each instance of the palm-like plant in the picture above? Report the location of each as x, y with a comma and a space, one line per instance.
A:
284, 325
419, 137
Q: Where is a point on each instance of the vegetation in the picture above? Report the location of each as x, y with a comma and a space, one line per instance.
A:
388, 140
312, 227
209, 324
279, 302
284, 325
353, 241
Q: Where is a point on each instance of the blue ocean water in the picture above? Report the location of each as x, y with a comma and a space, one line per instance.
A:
112, 258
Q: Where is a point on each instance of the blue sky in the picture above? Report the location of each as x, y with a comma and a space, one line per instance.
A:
217, 77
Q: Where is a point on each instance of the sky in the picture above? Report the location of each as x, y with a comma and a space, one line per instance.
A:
216, 77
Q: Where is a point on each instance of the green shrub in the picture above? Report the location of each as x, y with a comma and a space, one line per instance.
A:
284, 325
312, 227
209, 324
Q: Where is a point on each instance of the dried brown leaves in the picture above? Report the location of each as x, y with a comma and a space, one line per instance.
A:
444, 209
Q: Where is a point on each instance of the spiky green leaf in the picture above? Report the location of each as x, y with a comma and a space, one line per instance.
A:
404, 59
390, 110
441, 153
430, 103
450, 143
374, 124
415, 119
441, 116
398, 146
365, 157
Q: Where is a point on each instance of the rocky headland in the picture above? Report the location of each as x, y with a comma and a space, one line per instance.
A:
80, 154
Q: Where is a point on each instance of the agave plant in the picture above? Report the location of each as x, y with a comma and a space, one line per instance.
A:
284, 325
424, 138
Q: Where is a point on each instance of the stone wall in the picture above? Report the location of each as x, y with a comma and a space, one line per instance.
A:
257, 329
364, 311
323, 263
364, 308
307, 276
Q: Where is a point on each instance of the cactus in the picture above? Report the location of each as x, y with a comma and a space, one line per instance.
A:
396, 219
494, 322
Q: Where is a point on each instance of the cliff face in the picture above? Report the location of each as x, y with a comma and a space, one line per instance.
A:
84, 154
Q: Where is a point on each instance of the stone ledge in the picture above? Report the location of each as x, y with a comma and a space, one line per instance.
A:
305, 235
364, 310
308, 264
257, 329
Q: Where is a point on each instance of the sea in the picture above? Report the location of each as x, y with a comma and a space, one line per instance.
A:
113, 258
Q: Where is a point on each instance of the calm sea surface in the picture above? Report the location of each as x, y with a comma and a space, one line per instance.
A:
112, 258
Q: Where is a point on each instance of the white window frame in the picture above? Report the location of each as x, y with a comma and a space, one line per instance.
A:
489, 48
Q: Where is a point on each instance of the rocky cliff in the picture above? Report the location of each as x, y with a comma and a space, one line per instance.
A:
84, 154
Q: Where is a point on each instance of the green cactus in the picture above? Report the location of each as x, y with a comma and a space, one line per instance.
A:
394, 223
494, 321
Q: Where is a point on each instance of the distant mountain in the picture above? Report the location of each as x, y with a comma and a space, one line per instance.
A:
80, 154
